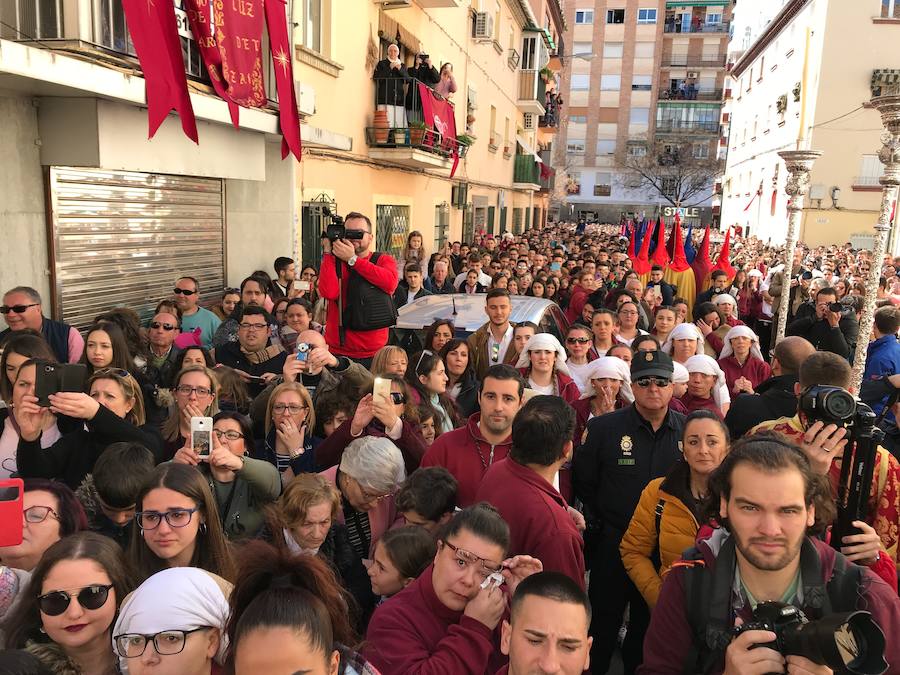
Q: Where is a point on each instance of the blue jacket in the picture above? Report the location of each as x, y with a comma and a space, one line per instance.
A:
882, 359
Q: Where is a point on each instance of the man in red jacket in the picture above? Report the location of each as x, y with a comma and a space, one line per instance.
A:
468, 452
521, 487
354, 258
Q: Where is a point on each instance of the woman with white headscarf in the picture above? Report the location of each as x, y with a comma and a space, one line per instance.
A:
727, 305
680, 379
684, 341
543, 365
610, 380
742, 362
173, 623
706, 386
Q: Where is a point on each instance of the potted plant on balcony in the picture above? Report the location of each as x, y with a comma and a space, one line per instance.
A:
400, 136
465, 139
417, 133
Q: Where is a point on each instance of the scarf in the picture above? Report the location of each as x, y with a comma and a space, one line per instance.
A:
262, 355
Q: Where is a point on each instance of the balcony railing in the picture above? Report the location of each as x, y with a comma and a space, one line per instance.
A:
690, 93
526, 170
686, 125
30, 20
685, 61
532, 87
696, 26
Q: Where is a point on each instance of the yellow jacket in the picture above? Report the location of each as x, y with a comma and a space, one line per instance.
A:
677, 530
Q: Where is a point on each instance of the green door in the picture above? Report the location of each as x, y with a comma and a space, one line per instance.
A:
490, 220
502, 219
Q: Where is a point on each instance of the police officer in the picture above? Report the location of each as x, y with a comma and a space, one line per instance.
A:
624, 450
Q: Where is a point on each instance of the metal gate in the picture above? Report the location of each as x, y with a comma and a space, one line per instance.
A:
314, 218
392, 228
121, 238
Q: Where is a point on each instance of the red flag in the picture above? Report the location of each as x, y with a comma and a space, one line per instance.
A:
679, 259
153, 30
280, 45
239, 38
641, 264
198, 12
438, 114
546, 171
723, 263
702, 265
631, 242
660, 254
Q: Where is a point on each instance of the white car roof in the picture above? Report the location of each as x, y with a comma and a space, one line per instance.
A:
466, 311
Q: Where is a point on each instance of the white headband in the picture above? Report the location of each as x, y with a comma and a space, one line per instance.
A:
613, 368
740, 331
701, 363
681, 374
684, 331
544, 341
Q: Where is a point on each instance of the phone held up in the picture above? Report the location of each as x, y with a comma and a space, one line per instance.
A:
382, 389
53, 378
201, 435
302, 351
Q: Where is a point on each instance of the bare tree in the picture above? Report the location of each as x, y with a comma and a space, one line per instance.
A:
670, 169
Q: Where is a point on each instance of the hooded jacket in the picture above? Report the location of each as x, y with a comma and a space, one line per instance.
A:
466, 454
774, 398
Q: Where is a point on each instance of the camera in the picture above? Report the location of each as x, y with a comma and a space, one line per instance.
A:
424, 57
831, 405
335, 229
847, 643
836, 307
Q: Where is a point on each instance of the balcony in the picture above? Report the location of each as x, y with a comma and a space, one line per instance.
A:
684, 61
550, 119
532, 92
696, 25
409, 143
686, 126
690, 93
526, 173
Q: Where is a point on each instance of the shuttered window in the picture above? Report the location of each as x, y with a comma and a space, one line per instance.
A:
122, 238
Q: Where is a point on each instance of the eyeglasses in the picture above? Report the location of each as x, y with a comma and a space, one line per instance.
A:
468, 558
182, 291
156, 325
166, 642
150, 520
254, 326
115, 372
293, 408
187, 390
18, 309
231, 435
38, 514
55, 603
231, 291
645, 382
577, 340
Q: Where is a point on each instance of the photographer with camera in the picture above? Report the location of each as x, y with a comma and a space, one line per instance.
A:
832, 329
734, 604
359, 288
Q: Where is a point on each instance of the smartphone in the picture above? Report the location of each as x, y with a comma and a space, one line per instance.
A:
11, 505
382, 389
302, 285
302, 351
53, 378
201, 435
555, 266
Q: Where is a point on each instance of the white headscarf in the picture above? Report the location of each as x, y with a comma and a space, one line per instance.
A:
681, 374
741, 331
178, 598
728, 298
544, 341
701, 363
615, 369
684, 331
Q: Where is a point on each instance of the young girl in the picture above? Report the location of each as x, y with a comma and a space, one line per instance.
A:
426, 425
543, 365
428, 377
400, 556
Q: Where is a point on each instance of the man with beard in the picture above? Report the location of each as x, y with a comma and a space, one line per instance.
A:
768, 497
468, 452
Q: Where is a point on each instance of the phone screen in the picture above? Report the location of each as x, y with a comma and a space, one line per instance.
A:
382, 389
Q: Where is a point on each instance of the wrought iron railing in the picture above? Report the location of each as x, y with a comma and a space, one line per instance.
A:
696, 26
690, 93
687, 125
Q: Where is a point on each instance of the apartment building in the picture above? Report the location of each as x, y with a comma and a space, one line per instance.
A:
796, 84
643, 73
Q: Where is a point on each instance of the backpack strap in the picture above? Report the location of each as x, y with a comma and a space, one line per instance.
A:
845, 586
655, 557
374, 257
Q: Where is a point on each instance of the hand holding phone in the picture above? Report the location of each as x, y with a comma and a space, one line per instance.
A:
201, 435
53, 378
381, 391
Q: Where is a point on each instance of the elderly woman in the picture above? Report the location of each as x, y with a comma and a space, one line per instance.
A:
742, 361
684, 341
370, 472
543, 365
174, 623
727, 305
610, 380
706, 387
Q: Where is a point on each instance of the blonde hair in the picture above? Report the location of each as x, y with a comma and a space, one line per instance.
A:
304, 395
171, 428
382, 357
136, 415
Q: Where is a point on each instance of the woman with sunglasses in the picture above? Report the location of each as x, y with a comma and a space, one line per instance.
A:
196, 393
578, 347
174, 623
462, 385
447, 620
50, 512
289, 444
242, 486
427, 378
68, 608
543, 365
113, 411
178, 525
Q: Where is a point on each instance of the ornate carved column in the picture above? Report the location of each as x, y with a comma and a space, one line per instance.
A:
887, 102
798, 164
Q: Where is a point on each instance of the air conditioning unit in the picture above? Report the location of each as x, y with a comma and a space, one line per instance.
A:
306, 98
484, 26
693, 74
528, 121
396, 4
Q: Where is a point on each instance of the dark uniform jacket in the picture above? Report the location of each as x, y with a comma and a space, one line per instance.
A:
774, 398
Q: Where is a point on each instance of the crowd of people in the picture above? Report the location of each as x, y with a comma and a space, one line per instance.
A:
511, 500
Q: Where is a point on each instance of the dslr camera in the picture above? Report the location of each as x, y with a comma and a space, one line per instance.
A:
335, 229
847, 643
831, 405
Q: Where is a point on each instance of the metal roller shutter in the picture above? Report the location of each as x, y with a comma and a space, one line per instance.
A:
121, 238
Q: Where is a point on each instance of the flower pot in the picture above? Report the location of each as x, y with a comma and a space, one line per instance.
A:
399, 136
381, 126
416, 135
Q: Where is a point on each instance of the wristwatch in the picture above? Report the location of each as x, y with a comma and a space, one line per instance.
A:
352, 261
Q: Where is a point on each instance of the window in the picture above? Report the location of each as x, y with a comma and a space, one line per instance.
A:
639, 116
606, 146
584, 16
312, 25
701, 151
615, 16
670, 187
582, 48
492, 141
577, 119
603, 185
575, 147
612, 50
580, 82
644, 50
573, 184
646, 16
610, 82
870, 170
641, 82
713, 18
637, 150
890, 9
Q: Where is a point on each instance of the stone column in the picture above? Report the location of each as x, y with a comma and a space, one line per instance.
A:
889, 107
798, 164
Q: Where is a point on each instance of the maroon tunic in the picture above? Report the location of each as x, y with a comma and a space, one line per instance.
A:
692, 403
754, 369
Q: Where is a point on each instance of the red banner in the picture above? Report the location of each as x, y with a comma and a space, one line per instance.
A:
152, 26
239, 28
280, 46
438, 115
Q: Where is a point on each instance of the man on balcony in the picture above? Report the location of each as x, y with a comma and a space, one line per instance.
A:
390, 77
428, 75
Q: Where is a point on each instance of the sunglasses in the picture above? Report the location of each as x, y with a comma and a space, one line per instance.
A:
156, 325
116, 372
397, 398
645, 382
18, 309
89, 597
425, 352
577, 340
182, 291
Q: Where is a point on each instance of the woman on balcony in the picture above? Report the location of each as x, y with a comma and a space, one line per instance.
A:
446, 86
390, 76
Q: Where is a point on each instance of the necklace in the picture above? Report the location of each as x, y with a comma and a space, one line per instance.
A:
490, 459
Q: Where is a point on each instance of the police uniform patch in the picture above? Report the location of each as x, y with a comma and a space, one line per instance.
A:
648, 356
626, 445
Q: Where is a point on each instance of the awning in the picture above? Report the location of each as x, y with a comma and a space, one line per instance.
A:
389, 29
528, 149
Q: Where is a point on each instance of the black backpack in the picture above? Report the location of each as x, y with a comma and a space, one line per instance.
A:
368, 307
